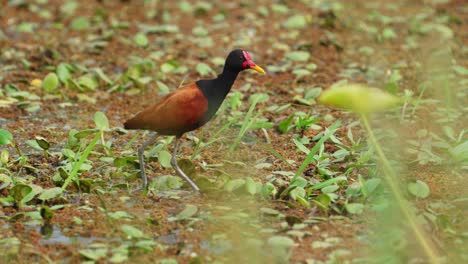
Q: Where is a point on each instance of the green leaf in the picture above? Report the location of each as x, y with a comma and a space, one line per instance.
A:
50, 82
460, 70
354, 208
299, 182
120, 215
93, 254
389, 33
168, 261
203, 69
141, 40
63, 72
101, 121
200, 31
371, 185
20, 191
46, 212
328, 182
77, 220
298, 55
297, 192
284, 126
445, 31
146, 245
33, 144
268, 190
26, 27
88, 82
79, 23
359, 98
4, 157
323, 201
295, 22
189, 211
250, 185
84, 155
5, 137
167, 182
50, 193
280, 248
132, 232
269, 211
10, 246
102, 75
68, 7
328, 133
235, 184
42, 143
280, 242
301, 72
168, 67
84, 133
330, 189
259, 98
419, 189
164, 158
460, 152
162, 87
302, 201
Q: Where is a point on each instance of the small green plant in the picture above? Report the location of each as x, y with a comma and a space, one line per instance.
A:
75, 166
6, 138
41, 144
102, 123
251, 121
297, 185
298, 121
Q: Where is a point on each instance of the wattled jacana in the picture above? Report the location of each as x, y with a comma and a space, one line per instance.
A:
189, 108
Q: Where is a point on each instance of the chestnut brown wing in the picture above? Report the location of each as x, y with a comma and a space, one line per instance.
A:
176, 113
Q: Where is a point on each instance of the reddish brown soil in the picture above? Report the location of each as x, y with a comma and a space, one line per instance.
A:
150, 213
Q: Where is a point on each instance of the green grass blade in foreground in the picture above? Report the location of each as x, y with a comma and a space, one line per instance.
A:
198, 149
269, 148
329, 131
84, 156
365, 100
328, 182
390, 178
245, 125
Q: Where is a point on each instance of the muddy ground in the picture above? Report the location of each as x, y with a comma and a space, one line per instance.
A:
36, 36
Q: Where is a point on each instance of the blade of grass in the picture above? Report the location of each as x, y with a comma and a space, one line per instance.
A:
271, 149
83, 157
248, 121
328, 182
131, 141
212, 139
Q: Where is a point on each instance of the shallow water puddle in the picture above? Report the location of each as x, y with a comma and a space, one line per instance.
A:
51, 234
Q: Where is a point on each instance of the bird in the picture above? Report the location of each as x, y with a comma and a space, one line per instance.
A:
188, 108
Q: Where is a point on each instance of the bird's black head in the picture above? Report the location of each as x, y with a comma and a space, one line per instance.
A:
239, 60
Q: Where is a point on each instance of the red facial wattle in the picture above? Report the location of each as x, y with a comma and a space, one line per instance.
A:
248, 60
249, 64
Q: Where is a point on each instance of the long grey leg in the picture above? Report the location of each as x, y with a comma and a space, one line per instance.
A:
141, 149
178, 170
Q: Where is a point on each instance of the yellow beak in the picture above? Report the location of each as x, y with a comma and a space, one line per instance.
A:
257, 69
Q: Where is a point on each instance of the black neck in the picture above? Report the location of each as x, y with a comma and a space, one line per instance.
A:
215, 90
227, 77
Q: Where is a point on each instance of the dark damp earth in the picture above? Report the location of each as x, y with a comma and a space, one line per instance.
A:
117, 57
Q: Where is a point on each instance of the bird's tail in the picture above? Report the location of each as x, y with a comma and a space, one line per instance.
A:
132, 124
